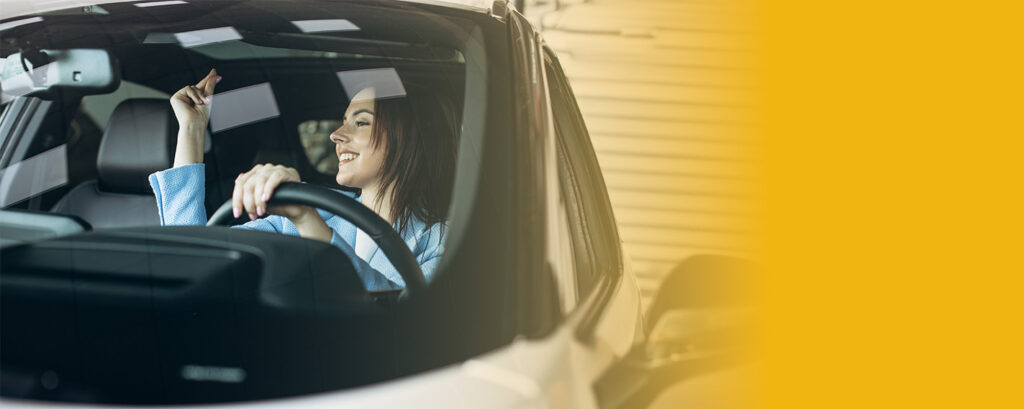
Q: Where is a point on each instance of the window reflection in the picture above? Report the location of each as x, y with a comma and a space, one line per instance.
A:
160, 3
385, 82
323, 26
195, 38
16, 23
34, 176
242, 106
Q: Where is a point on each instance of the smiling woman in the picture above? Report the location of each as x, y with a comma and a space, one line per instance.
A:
401, 159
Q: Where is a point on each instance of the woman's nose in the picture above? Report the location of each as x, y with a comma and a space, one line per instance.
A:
339, 136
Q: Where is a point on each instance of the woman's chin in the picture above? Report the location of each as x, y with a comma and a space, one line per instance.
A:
344, 180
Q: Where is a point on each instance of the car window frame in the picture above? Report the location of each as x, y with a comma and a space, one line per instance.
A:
591, 306
594, 206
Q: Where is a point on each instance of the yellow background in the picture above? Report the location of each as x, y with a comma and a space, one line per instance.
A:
891, 229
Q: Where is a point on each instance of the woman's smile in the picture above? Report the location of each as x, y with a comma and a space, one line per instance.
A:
346, 157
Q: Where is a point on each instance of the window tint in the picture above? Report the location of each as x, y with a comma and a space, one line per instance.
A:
595, 242
562, 247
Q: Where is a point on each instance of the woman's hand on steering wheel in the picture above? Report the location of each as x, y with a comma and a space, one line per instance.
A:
254, 188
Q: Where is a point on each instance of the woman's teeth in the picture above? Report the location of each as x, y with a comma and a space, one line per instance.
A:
348, 156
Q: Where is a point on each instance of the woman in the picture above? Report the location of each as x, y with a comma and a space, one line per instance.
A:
401, 158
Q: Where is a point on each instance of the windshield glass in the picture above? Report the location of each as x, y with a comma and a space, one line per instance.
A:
289, 73
364, 99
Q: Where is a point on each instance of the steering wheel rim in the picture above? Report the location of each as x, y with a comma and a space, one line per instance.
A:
348, 208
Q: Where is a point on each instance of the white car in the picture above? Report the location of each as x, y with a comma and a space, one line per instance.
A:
534, 304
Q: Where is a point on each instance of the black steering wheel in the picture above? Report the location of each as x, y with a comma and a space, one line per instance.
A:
348, 208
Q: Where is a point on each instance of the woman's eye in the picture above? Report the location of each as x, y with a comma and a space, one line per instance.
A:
362, 123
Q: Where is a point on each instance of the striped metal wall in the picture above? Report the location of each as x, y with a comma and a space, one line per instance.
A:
663, 86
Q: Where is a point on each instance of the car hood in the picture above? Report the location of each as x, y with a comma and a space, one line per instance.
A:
523, 374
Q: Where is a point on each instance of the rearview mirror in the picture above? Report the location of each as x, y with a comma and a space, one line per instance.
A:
44, 72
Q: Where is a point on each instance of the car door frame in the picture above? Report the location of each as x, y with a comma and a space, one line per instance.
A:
597, 322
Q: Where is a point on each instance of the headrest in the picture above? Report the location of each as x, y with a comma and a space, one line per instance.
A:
139, 140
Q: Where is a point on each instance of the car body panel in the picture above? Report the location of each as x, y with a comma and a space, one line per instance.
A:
554, 371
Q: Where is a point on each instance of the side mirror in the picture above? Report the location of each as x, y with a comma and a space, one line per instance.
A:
699, 316
43, 72
704, 282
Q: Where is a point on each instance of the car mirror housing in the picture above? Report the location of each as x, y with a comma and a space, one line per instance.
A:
703, 307
704, 281
699, 318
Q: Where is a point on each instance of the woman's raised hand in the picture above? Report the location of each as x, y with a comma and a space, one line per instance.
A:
191, 104
192, 108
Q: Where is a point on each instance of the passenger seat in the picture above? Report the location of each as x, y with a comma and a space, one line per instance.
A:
139, 140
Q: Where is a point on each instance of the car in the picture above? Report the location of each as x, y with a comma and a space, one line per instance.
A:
534, 303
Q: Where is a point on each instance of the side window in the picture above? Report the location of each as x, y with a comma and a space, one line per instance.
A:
64, 138
316, 143
595, 241
562, 246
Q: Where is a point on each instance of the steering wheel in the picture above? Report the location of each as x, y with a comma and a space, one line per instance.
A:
348, 208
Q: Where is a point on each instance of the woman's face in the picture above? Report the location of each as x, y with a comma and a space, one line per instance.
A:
359, 163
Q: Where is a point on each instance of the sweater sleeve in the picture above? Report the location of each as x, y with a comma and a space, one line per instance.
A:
180, 195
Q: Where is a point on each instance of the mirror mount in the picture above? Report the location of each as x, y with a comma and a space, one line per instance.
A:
32, 57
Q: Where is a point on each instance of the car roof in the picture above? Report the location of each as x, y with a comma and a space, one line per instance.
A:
16, 8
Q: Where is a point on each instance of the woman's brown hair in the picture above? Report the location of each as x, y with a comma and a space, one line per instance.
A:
419, 135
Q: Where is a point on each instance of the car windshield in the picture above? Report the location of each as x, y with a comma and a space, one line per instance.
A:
289, 73
93, 84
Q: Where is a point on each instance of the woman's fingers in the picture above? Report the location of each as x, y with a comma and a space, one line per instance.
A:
181, 95
194, 94
251, 191
257, 193
209, 82
236, 195
267, 190
248, 199
210, 76
254, 188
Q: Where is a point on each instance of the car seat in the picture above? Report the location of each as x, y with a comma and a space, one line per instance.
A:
139, 140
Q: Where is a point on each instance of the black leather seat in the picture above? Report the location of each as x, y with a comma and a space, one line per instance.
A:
139, 140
